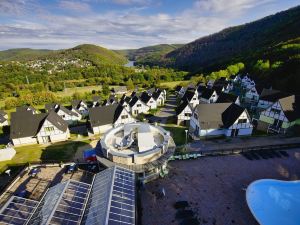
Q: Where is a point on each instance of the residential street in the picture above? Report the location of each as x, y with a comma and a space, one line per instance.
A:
166, 111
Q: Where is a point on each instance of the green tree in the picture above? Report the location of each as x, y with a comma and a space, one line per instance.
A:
129, 84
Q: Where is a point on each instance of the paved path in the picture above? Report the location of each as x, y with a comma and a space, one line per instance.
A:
166, 111
224, 144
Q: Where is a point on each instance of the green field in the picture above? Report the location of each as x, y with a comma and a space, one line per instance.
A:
62, 151
173, 84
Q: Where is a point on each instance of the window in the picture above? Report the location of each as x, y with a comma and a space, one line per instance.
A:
188, 114
124, 117
275, 111
194, 98
49, 129
242, 121
139, 105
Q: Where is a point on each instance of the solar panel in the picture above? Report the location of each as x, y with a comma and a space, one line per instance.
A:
17, 210
63, 204
112, 198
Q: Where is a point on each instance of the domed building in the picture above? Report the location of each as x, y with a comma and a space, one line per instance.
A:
140, 147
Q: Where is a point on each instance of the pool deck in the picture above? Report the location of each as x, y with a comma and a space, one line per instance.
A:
214, 187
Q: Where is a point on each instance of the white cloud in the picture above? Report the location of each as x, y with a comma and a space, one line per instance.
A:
74, 6
119, 29
228, 7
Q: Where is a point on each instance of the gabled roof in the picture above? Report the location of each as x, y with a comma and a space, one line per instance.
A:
207, 93
188, 95
226, 98
210, 115
134, 100
105, 114
145, 97
56, 107
231, 114
77, 103
96, 99
156, 94
26, 124
178, 88
111, 100
218, 115
181, 107
26, 108
272, 95
291, 107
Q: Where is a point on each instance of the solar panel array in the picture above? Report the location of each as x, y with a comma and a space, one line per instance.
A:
17, 210
122, 207
112, 199
63, 204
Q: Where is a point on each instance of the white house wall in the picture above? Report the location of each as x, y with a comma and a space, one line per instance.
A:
55, 135
24, 141
182, 116
152, 103
142, 109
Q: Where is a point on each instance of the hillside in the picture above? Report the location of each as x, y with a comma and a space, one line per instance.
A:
22, 53
245, 43
87, 52
149, 55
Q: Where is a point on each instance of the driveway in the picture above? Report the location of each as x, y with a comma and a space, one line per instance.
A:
168, 110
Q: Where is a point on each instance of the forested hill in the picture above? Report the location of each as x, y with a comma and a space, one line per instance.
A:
149, 55
22, 53
244, 43
87, 52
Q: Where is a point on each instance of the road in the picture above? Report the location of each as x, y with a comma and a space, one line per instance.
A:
168, 110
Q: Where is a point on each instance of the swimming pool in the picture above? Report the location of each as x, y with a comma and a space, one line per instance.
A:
274, 202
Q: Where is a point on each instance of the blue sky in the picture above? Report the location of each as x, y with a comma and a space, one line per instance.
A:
120, 24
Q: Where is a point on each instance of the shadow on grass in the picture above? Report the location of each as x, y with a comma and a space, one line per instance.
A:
62, 152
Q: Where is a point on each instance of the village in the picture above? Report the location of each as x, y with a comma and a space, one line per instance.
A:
146, 133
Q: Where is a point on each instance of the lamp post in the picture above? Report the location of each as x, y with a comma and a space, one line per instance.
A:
186, 134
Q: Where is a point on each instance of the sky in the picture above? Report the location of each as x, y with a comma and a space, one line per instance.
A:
123, 24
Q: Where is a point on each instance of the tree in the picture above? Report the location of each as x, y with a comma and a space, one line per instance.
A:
105, 89
129, 84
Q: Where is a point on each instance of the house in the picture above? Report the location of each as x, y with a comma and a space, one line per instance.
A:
210, 83
269, 96
220, 119
119, 90
280, 116
106, 117
3, 118
137, 106
26, 108
209, 96
179, 90
247, 82
228, 87
251, 96
200, 88
81, 107
96, 101
191, 96
184, 113
112, 99
148, 100
159, 97
125, 102
228, 98
27, 128
67, 115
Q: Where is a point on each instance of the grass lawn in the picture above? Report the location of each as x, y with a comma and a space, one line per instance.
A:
177, 133
298, 122
62, 151
173, 84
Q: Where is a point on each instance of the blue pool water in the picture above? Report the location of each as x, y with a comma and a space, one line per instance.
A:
274, 202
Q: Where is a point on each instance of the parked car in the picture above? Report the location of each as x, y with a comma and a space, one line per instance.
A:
71, 168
